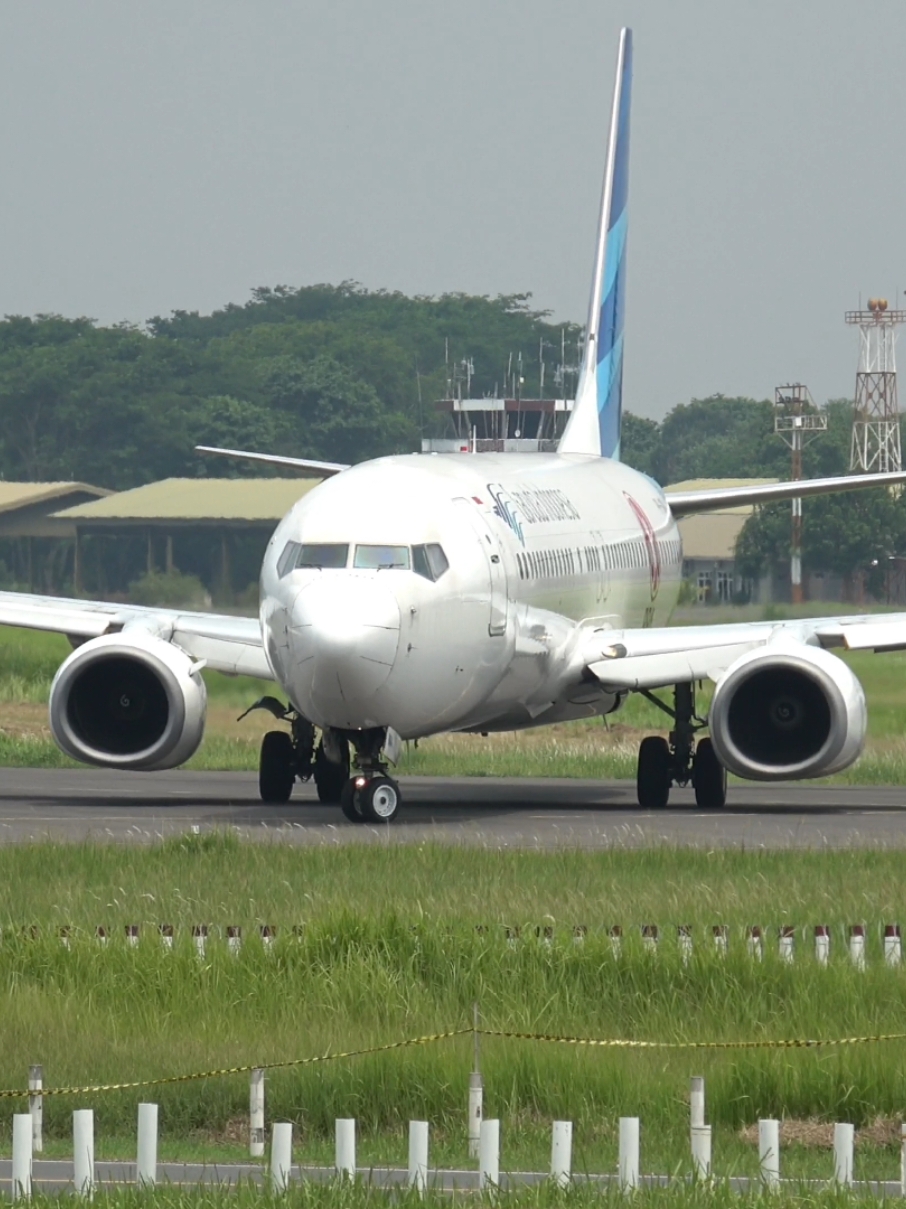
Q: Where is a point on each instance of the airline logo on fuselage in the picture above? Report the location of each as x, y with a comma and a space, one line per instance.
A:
531, 506
651, 546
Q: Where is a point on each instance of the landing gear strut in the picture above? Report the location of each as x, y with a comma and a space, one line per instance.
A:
370, 795
679, 760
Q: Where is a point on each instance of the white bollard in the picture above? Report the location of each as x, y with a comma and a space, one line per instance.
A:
785, 943
267, 934
697, 1102
418, 1156
22, 1154
857, 946
903, 1160
844, 1136
146, 1159
345, 1149
200, 937
562, 1153
166, 935
701, 1152
256, 1113
893, 944
83, 1151
66, 936
684, 940
721, 934
36, 1107
131, 935
650, 938
100, 934
476, 1111
489, 1155
822, 944
580, 931
616, 940
234, 939
281, 1155
755, 942
629, 1153
769, 1152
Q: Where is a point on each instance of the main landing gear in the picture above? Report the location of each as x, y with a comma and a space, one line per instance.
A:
367, 795
679, 760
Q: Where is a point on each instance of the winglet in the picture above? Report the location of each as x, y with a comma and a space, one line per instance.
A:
594, 427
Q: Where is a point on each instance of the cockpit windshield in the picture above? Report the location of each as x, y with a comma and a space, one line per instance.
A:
326, 555
375, 558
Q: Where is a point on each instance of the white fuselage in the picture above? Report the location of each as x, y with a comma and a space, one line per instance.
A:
539, 548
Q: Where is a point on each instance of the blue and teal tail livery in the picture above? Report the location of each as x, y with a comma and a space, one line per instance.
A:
594, 427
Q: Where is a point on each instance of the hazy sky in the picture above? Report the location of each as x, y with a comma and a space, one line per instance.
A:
173, 155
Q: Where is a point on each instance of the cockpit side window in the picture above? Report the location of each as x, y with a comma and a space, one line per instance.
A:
376, 558
429, 561
324, 555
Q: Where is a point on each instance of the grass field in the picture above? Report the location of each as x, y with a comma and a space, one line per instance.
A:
389, 949
597, 749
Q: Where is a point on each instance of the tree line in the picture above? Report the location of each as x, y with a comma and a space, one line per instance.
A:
342, 373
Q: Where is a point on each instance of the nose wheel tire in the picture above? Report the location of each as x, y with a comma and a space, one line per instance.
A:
379, 800
654, 775
709, 777
276, 767
349, 801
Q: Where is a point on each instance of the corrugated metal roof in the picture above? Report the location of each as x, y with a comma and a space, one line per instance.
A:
21, 495
198, 500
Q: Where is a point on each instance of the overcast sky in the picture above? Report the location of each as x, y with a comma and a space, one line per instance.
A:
173, 155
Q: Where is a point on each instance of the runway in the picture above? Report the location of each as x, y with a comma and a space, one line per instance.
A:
495, 812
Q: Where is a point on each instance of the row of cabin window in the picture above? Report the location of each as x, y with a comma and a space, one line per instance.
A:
547, 564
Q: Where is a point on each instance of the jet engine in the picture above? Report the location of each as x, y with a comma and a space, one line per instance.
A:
128, 700
787, 713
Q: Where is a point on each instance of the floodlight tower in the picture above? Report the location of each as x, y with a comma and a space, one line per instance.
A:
797, 421
876, 424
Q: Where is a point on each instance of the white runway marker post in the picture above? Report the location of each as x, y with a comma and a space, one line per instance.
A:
903, 1160
132, 935
697, 1102
629, 1153
489, 1155
22, 1156
616, 940
844, 1137
684, 941
166, 935
562, 1153
476, 1088
769, 1152
755, 942
701, 1152
281, 1156
36, 1107
345, 1148
65, 935
418, 1156
256, 1113
822, 944
200, 939
267, 933
580, 931
721, 933
650, 938
893, 944
100, 934
146, 1158
857, 946
786, 942
234, 939
83, 1151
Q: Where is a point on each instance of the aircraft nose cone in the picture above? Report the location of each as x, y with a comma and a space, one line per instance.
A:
345, 633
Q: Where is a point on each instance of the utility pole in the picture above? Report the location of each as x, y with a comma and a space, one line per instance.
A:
797, 422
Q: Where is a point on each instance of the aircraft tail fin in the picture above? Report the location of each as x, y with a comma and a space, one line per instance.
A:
594, 427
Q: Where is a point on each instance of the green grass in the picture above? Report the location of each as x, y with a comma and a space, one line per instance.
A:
389, 949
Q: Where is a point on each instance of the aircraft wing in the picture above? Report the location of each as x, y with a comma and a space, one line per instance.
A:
657, 658
685, 503
274, 459
227, 644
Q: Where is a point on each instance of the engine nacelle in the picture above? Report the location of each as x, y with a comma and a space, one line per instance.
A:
787, 713
128, 700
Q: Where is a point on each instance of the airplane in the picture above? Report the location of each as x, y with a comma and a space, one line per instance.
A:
424, 593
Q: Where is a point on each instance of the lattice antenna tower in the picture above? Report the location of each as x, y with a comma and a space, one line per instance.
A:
797, 421
875, 445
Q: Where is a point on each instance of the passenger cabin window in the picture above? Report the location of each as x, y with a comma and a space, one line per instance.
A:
323, 555
382, 558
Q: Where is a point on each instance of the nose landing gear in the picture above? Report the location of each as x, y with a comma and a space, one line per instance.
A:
680, 760
370, 795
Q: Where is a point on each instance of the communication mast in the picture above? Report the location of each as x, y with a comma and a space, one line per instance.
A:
876, 425
797, 421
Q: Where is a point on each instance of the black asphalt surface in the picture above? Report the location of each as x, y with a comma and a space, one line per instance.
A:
530, 813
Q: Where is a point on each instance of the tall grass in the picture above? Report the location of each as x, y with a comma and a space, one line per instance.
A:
389, 949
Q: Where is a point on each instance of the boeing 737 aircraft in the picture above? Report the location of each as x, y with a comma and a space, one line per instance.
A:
413, 595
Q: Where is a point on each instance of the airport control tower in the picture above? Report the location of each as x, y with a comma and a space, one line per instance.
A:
876, 424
